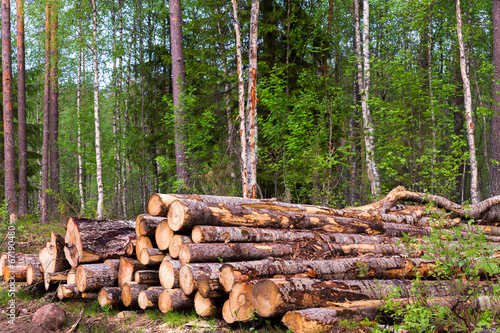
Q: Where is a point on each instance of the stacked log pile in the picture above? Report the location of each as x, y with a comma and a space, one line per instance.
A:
240, 258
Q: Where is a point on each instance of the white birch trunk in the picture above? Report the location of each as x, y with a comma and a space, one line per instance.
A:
100, 186
251, 119
241, 101
373, 174
468, 109
78, 135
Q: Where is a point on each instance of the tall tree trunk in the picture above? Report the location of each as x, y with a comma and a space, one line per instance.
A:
21, 112
44, 204
241, 102
54, 109
78, 110
468, 109
116, 119
123, 120
8, 113
368, 126
251, 119
178, 84
100, 187
495, 122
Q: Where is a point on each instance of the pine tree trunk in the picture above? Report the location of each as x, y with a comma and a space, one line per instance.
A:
8, 113
147, 277
100, 186
474, 189
241, 103
93, 277
44, 204
110, 296
178, 83
54, 109
21, 112
495, 122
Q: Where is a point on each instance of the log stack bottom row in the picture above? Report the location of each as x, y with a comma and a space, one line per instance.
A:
237, 258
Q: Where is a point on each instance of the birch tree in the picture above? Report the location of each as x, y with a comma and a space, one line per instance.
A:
468, 108
100, 186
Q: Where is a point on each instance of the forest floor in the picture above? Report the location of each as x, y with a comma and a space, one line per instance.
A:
31, 236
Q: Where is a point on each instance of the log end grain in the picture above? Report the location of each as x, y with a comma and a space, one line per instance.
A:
240, 302
67, 291
207, 307
109, 296
265, 297
3, 260
177, 215
81, 278
227, 314
73, 249
177, 243
163, 235
186, 280
142, 243
185, 255
226, 277
169, 273
158, 204
33, 274
174, 299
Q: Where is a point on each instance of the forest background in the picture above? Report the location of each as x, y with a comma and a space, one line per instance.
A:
105, 71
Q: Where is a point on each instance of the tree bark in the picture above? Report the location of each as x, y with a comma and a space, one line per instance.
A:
54, 108
272, 297
177, 243
44, 204
368, 126
21, 112
111, 296
8, 113
169, 273
174, 300
147, 277
79, 125
214, 234
209, 285
474, 189
93, 277
495, 122
241, 103
251, 117
97, 122
90, 240
149, 298
233, 252
68, 291
52, 256
19, 268
189, 273
178, 84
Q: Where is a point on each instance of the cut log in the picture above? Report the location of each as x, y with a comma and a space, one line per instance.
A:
177, 243
318, 320
145, 225
93, 277
143, 242
169, 273
227, 313
163, 235
240, 302
52, 257
174, 300
130, 293
207, 307
214, 234
127, 269
366, 267
189, 273
130, 248
214, 252
67, 291
273, 297
16, 266
93, 241
55, 279
149, 298
71, 278
110, 296
147, 277
209, 286
34, 274
151, 256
